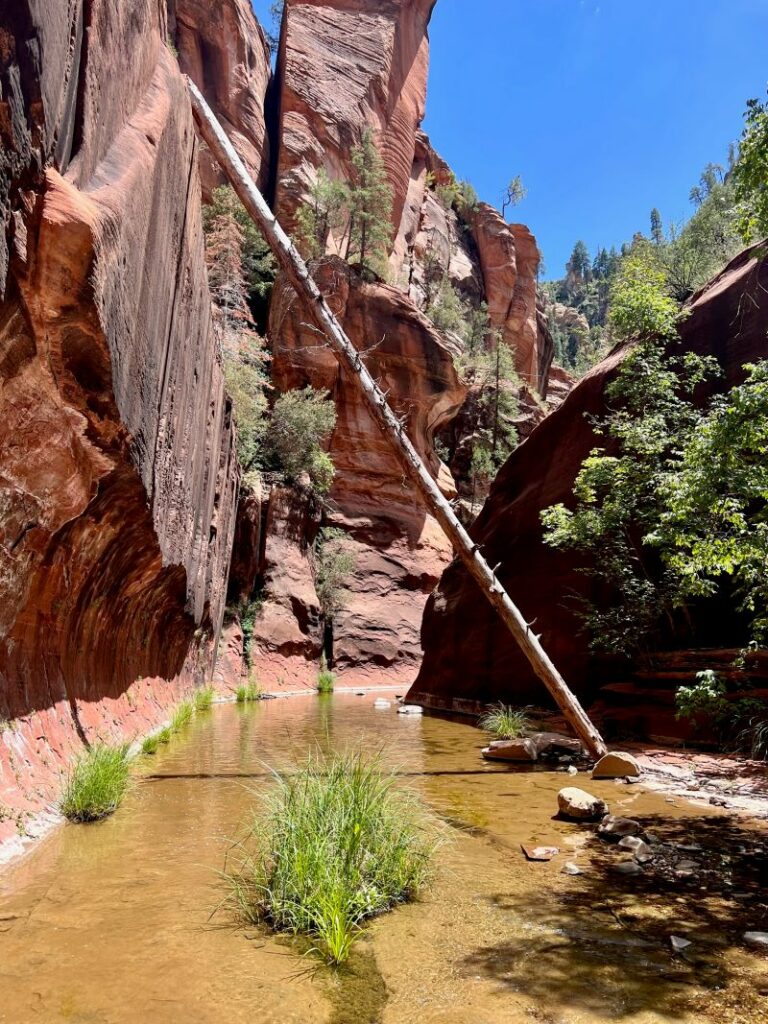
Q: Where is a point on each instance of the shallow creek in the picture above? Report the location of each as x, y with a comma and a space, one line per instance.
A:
111, 922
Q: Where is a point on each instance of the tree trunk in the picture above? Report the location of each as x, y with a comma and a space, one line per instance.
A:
296, 270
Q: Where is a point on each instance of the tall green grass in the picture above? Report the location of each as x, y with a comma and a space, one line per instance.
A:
151, 743
96, 783
247, 692
337, 842
326, 680
504, 722
203, 699
182, 716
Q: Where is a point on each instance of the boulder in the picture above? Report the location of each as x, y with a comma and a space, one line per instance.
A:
410, 709
616, 765
579, 805
613, 829
510, 750
758, 940
552, 743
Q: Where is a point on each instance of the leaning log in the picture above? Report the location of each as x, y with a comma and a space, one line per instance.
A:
294, 267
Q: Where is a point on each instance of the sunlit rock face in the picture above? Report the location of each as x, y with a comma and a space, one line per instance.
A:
118, 481
222, 48
344, 66
399, 549
469, 658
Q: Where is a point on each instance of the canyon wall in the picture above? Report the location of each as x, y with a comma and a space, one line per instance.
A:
118, 480
469, 658
343, 69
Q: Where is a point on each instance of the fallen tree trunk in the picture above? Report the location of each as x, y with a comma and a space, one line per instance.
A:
295, 269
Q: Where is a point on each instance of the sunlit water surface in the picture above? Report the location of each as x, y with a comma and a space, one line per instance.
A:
111, 923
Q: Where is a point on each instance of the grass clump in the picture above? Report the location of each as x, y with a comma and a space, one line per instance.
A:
337, 842
326, 680
164, 736
96, 783
505, 722
248, 692
203, 699
182, 716
151, 743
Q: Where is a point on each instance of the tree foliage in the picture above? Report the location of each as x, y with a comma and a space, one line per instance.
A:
302, 423
358, 211
334, 564
675, 507
751, 173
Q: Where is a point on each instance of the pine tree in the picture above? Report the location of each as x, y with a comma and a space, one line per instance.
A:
579, 265
657, 229
370, 200
326, 213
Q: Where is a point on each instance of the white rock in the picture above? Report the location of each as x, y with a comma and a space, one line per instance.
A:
381, 703
410, 709
572, 869
573, 770
757, 939
577, 804
679, 944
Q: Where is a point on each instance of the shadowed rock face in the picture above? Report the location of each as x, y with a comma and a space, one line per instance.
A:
223, 50
118, 481
469, 657
344, 66
400, 550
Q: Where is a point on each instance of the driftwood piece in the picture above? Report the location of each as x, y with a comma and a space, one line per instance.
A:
292, 264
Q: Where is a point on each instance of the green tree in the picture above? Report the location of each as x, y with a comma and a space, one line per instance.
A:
657, 228
751, 173
256, 259
325, 213
334, 564
619, 491
514, 194
580, 265
447, 311
370, 204
714, 526
302, 423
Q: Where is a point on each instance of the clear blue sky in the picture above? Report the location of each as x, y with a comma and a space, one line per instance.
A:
605, 107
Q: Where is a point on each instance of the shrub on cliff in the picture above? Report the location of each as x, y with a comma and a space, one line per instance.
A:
339, 842
96, 783
302, 423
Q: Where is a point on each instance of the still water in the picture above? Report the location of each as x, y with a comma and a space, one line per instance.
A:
111, 923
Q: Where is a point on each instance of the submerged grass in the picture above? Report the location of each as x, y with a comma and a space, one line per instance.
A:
337, 842
203, 699
247, 692
96, 783
504, 722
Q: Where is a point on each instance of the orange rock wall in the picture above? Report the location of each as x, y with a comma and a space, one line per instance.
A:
118, 481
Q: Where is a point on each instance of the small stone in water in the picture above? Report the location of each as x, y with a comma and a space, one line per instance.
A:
679, 944
572, 769
569, 868
381, 703
540, 852
410, 709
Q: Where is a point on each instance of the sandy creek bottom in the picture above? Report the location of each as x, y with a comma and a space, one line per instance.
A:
110, 922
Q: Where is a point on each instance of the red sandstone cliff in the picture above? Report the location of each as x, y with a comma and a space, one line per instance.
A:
222, 48
118, 480
469, 658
